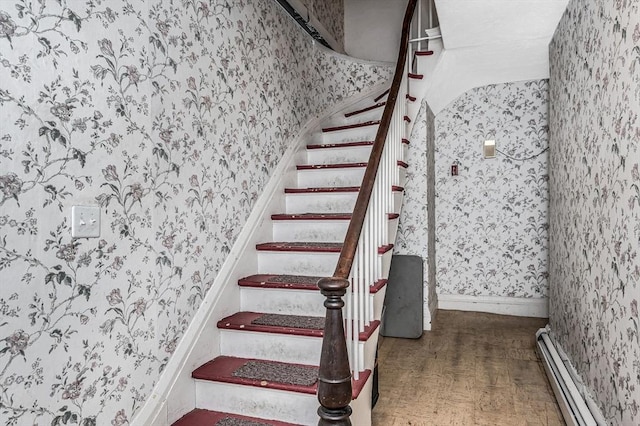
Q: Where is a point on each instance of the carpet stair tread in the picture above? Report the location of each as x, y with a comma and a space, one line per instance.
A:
321, 216
200, 417
322, 189
296, 325
312, 247
283, 376
340, 145
292, 282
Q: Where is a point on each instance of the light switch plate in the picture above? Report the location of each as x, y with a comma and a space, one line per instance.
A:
489, 149
85, 221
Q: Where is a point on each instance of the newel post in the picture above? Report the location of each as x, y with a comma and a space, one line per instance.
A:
334, 376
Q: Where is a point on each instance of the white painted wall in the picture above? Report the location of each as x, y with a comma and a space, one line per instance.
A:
372, 28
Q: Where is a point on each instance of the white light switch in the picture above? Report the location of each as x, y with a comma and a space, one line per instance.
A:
85, 221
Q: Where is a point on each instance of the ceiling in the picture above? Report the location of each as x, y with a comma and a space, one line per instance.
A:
466, 23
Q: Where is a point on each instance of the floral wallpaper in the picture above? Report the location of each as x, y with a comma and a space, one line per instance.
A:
168, 115
489, 233
595, 200
330, 13
491, 219
415, 236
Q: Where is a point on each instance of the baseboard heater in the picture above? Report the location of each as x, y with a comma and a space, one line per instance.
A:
575, 410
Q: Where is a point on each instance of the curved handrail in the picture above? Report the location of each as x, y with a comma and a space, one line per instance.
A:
355, 226
334, 377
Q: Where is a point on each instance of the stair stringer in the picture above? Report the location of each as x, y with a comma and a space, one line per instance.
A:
174, 394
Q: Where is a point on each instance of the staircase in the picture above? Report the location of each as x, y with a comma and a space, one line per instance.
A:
270, 351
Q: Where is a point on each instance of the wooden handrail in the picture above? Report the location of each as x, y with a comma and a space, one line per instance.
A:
334, 377
348, 252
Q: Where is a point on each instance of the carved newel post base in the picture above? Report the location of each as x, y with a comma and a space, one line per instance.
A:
334, 377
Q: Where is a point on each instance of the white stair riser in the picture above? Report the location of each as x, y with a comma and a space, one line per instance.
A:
361, 406
326, 202
310, 230
386, 264
355, 134
377, 301
393, 230
350, 176
330, 202
282, 301
271, 346
319, 230
297, 263
368, 355
297, 302
403, 176
417, 88
258, 402
354, 154
286, 348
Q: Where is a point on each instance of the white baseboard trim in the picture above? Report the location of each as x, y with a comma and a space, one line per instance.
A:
517, 306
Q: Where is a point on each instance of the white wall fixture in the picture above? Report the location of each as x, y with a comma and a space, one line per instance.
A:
489, 149
85, 221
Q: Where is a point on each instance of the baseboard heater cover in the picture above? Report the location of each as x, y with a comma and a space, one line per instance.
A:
575, 410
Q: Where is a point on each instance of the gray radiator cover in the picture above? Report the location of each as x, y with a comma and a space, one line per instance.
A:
403, 304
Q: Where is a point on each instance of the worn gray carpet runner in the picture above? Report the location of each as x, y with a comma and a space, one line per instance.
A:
278, 372
290, 321
295, 279
228, 421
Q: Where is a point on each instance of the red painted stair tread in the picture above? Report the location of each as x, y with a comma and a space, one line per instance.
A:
312, 216
332, 189
381, 95
322, 216
379, 285
222, 368
340, 145
318, 247
330, 166
301, 246
200, 417
296, 325
254, 321
370, 108
294, 282
351, 126
322, 189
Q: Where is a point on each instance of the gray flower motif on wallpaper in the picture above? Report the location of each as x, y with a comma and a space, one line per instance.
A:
330, 13
491, 219
595, 200
169, 115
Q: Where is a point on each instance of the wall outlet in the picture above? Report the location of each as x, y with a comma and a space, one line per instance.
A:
85, 221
